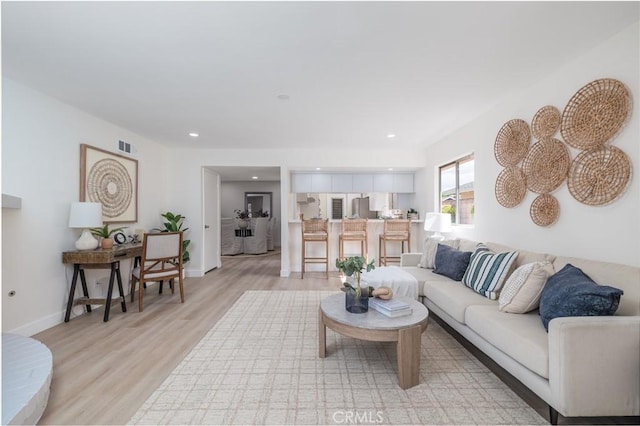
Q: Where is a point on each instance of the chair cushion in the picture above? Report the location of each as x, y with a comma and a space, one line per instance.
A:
353, 234
487, 271
521, 292
571, 293
315, 236
156, 275
451, 262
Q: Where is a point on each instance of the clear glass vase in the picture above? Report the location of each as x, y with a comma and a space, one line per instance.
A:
357, 304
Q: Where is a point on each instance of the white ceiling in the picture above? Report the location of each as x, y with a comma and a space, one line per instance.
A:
353, 71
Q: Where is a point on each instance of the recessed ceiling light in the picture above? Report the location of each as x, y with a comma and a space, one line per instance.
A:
194, 134
254, 177
318, 168
390, 168
391, 135
284, 97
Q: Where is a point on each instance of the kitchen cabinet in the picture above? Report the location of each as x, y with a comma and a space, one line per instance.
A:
362, 183
342, 182
320, 182
301, 182
402, 183
383, 183
352, 182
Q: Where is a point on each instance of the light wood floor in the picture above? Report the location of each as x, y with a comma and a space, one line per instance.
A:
103, 372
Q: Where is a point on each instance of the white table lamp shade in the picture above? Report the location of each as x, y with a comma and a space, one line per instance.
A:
85, 215
437, 222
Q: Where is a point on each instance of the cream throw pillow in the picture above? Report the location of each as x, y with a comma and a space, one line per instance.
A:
428, 258
521, 293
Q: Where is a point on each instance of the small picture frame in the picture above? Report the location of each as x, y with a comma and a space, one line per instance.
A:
112, 180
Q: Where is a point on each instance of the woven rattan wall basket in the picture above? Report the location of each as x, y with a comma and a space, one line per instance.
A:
511, 187
595, 114
599, 176
546, 122
546, 165
512, 142
544, 210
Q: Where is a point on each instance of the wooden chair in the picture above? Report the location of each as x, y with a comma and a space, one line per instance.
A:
315, 231
161, 260
395, 230
354, 230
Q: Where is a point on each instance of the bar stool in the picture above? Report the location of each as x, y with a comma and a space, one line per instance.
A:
315, 231
395, 230
354, 230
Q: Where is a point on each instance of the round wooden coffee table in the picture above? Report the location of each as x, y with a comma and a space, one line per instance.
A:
373, 326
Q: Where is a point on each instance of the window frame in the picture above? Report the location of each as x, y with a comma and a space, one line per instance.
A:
455, 162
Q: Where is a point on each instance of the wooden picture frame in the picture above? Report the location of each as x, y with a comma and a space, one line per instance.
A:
112, 180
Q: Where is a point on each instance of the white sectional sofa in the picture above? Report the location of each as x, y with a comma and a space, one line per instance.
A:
583, 366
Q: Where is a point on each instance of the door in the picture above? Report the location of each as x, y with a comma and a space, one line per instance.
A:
211, 216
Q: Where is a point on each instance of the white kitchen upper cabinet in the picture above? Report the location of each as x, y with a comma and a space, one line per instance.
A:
301, 182
383, 183
362, 183
320, 182
341, 182
403, 183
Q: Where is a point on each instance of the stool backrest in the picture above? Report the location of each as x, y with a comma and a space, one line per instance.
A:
354, 225
397, 227
314, 226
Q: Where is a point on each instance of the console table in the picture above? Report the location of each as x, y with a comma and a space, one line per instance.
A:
98, 259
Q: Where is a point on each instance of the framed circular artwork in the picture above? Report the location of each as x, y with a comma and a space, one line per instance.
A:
111, 180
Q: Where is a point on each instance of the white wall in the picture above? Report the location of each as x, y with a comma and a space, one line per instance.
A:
232, 198
41, 140
609, 233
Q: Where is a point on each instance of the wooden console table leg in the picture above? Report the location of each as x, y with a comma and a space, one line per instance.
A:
123, 305
72, 292
322, 336
107, 303
85, 291
409, 342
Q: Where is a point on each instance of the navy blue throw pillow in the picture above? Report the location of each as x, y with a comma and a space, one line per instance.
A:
450, 262
571, 293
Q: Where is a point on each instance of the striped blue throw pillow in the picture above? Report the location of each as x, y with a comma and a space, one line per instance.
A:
487, 271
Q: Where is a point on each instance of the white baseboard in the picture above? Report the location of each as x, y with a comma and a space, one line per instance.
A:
39, 325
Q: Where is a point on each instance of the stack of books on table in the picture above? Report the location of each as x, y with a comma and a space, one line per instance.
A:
391, 308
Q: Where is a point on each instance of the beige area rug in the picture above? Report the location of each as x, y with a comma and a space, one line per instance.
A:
259, 365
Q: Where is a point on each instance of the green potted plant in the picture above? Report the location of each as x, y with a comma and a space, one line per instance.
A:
105, 233
242, 216
356, 298
413, 214
174, 223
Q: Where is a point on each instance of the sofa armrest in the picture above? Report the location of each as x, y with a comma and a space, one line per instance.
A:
410, 259
594, 365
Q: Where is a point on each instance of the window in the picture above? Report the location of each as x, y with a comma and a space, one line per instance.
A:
457, 194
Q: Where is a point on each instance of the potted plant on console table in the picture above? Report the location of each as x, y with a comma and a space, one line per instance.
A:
356, 298
105, 233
